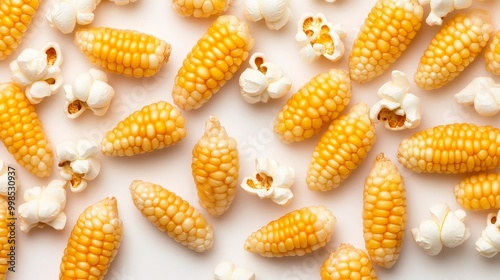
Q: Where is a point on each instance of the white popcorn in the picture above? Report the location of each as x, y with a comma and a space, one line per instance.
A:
270, 181
262, 81
227, 271
441, 8
38, 72
44, 206
488, 245
275, 13
89, 91
446, 229
398, 109
483, 93
4, 180
78, 162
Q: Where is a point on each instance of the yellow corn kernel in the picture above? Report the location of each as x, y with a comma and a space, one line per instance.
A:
215, 168
386, 33
6, 218
126, 52
317, 103
341, 149
212, 62
451, 50
93, 243
479, 192
384, 212
172, 214
154, 127
296, 233
492, 55
22, 133
452, 148
347, 262
200, 8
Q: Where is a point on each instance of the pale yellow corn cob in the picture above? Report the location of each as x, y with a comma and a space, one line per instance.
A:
93, 243
451, 50
21, 131
172, 214
215, 168
6, 218
212, 62
384, 212
296, 233
126, 52
200, 8
492, 55
386, 33
341, 149
347, 262
317, 103
154, 127
479, 192
452, 148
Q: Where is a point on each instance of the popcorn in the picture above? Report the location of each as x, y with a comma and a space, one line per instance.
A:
483, 93
441, 8
276, 13
227, 271
488, 245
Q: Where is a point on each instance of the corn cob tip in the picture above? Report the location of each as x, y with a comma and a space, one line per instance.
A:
479, 192
347, 262
492, 55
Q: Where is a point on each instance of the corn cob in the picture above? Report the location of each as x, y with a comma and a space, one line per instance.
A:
126, 52
452, 49
22, 133
215, 168
297, 233
212, 62
479, 192
317, 103
347, 262
452, 148
93, 243
154, 127
384, 212
172, 214
200, 8
387, 31
492, 55
341, 149
6, 218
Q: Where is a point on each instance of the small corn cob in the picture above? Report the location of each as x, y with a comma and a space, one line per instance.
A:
341, 149
215, 168
154, 127
297, 233
126, 52
317, 103
452, 148
93, 243
212, 62
21, 131
492, 55
384, 212
200, 8
172, 214
5, 219
386, 33
452, 49
347, 262
479, 192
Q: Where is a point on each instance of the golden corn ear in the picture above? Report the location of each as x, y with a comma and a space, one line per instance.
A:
317, 103
200, 8
6, 218
127, 52
154, 127
479, 192
451, 50
172, 214
384, 212
212, 62
492, 55
341, 149
297, 233
22, 133
387, 31
347, 262
215, 168
93, 243
452, 148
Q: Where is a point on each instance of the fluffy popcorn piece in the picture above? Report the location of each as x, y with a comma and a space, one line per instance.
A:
488, 245
200, 8
44, 206
347, 262
227, 271
492, 55
441, 8
483, 93
275, 13
4, 180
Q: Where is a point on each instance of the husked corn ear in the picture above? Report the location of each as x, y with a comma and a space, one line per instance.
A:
386, 33
492, 55
215, 167
22, 133
479, 192
297, 233
200, 8
384, 212
317, 103
212, 62
154, 127
347, 262
93, 243
451, 50
172, 214
452, 148
126, 52
5, 219
341, 149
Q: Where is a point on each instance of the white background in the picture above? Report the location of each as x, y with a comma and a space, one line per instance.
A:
147, 253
